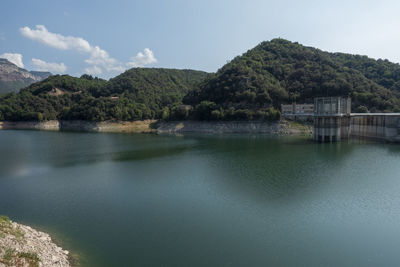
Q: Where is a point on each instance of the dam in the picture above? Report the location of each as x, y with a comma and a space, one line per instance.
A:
333, 121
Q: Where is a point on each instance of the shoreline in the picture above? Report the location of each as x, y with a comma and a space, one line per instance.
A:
282, 127
82, 126
21, 245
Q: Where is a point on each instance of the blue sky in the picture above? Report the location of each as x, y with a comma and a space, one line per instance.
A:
106, 37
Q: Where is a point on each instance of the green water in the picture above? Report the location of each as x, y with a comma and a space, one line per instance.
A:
198, 200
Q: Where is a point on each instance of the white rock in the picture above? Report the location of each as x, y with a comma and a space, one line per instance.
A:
37, 242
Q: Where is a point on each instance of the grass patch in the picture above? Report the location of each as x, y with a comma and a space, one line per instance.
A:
30, 257
6, 228
17, 232
4, 221
8, 256
11, 258
299, 125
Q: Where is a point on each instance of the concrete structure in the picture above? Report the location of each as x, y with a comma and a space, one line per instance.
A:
298, 111
332, 106
334, 121
331, 118
383, 126
287, 109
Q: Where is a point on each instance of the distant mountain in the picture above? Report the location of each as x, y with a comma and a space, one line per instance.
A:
13, 78
41, 74
255, 84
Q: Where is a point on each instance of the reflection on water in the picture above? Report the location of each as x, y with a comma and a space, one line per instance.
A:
200, 200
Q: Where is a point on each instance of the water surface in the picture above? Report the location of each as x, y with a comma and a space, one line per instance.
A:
198, 200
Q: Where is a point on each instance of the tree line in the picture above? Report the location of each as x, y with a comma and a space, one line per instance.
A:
250, 87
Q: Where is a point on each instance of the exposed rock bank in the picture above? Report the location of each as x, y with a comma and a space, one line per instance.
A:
21, 245
30, 125
282, 127
86, 126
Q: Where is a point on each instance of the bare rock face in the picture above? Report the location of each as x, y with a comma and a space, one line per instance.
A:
218, 127
13, 78
21, 245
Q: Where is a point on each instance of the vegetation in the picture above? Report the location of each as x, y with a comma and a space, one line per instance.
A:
280, 71
30, 257
250, 87
137, 94
6, 228
6, 87
9, 256
13, 258
383, 72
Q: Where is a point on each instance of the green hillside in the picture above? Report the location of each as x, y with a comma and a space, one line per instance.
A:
255, 84
136, 94
383, 72
6, 87
250, 87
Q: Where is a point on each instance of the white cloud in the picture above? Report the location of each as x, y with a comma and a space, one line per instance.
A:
42, 35
99, 59
142, 59
13, 58
93, 70
48, 66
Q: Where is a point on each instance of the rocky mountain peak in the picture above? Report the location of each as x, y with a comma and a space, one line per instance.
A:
13, 78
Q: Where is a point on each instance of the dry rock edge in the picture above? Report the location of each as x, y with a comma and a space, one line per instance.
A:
31, 242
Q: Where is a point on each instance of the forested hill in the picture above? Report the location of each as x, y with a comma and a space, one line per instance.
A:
250, 87
280, 71
383, 72
137, 94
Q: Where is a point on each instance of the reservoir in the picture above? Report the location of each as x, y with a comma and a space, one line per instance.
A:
205, 200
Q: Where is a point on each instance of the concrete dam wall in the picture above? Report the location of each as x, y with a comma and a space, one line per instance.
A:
375, 126
334, 121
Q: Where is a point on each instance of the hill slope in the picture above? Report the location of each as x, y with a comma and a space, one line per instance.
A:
251, 87
383, 72
280, 71
13, 78
134, 95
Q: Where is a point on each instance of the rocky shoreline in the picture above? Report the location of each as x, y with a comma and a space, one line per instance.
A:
85, 126
282, 127
20, 245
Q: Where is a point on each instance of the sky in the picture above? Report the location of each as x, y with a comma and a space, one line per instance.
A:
104, 38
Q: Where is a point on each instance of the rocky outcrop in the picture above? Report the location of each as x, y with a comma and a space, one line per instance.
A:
279, 128
108, 126
151, 126
13, 78
85, 126
30, 125
41, 74
21, 245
